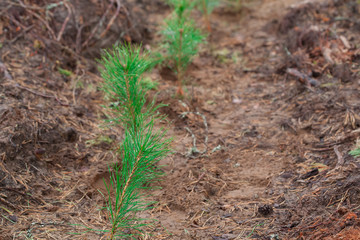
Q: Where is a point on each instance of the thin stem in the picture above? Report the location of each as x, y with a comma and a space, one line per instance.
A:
124, 190
141, 148
130, 103
238, 5
206, 15
179, 64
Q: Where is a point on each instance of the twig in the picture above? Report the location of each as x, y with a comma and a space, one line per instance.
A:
33, 92
118, 2
21, 34
199, 179
65, 22
38, 200
21, 4
52, 33
74, 87
9, 204
194, 149
98, 25
78, 39
7, 8
339, 156
206, 15
352, 135
6, 72
303, 78
41, 95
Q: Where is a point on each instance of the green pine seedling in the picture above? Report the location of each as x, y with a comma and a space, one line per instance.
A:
143, 146
182, 40
206, 7
123, 68
182, 8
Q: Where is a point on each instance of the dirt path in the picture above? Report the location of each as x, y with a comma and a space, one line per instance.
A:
218, 196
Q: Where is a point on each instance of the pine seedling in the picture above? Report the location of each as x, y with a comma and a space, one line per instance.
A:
182, 39
206, 7
142, 147
182, 8
122, 70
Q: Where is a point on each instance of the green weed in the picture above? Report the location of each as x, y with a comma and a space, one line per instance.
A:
356, 151
64, 72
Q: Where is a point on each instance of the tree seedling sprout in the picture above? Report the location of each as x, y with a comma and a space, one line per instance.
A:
182, 39
143, 146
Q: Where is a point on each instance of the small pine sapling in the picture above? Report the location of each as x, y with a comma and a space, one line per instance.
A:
206, 7
182, 40
142, 147
182, 8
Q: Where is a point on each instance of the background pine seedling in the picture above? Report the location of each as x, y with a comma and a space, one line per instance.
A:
143, 146
182, 40
206, 7
182, 8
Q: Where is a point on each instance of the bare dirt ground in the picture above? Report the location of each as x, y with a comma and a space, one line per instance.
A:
277, 85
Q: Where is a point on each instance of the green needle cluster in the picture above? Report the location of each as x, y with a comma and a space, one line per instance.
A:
181, 38
142, 147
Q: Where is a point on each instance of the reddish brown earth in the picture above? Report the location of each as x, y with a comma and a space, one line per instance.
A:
277, 163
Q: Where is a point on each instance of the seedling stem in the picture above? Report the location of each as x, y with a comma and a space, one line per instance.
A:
206, 15
180, 91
